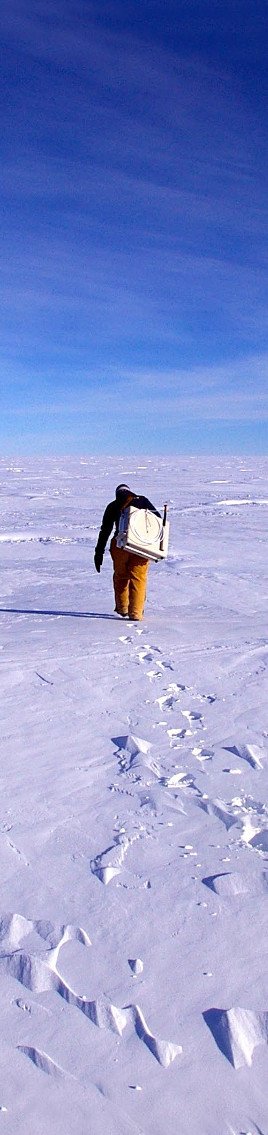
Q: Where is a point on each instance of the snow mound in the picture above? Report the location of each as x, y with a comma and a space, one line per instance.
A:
226, 883
253, 754
237, 1032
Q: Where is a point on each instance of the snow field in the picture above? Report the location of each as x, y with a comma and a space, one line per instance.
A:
134, 827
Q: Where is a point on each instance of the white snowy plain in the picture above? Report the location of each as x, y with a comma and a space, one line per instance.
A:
134, 807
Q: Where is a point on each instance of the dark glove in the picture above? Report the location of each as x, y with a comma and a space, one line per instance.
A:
98, 558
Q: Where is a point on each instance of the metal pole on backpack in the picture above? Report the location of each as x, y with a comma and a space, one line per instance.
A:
163, 526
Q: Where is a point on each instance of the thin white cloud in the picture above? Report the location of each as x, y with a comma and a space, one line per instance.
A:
230, 392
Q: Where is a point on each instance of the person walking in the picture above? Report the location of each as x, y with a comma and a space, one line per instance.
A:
130, 570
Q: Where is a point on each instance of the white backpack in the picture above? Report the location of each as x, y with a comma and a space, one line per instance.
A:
143, 532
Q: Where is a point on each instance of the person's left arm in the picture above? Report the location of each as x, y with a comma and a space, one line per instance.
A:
145, 503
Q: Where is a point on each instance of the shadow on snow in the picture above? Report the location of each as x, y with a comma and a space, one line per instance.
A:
65, 614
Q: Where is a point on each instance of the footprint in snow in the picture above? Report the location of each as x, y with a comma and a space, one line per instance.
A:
151, 674
193, 717
202, 754
177, 735
151, 654
145, 655
109, 863
167, 701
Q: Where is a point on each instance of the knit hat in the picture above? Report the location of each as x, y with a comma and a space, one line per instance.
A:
122, 491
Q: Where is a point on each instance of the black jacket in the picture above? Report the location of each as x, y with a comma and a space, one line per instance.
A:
112, 516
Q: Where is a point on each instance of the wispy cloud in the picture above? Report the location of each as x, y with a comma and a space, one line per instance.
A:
233, 392
134, 214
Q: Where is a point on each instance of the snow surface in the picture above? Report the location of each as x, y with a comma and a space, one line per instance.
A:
134, 807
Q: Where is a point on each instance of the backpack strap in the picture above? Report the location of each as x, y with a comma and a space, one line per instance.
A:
127, 501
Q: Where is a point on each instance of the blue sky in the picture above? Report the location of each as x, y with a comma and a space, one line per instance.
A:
134, 234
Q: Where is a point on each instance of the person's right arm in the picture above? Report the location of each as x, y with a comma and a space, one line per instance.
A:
108, 521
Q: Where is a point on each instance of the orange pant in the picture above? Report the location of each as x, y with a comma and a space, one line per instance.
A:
129, 578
